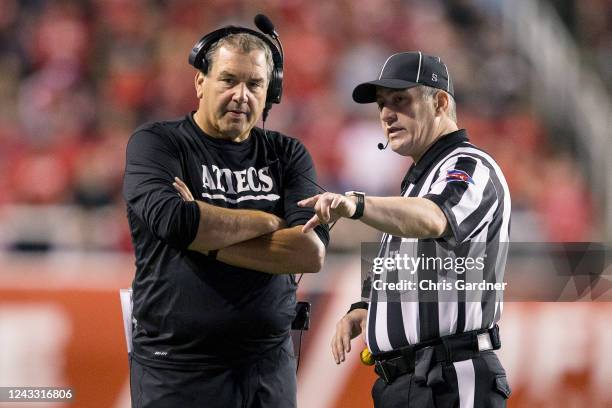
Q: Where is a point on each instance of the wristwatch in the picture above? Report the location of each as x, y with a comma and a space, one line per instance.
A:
358, 305
360, 203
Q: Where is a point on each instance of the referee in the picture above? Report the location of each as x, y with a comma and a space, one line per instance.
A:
436, 348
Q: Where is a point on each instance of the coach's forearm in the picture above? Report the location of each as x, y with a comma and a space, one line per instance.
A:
284, 251
409, 217
221, 227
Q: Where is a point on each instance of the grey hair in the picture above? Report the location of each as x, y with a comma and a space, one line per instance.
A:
428, 92
245, 43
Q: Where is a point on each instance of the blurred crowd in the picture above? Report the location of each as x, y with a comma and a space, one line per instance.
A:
590, 23
77, 77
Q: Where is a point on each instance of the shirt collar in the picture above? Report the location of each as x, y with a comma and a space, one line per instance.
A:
431, 155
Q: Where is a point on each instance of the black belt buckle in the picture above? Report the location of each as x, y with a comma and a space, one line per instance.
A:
390, 369
379, 367
422, 364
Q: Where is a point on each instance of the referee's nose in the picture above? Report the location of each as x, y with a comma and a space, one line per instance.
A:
388, 116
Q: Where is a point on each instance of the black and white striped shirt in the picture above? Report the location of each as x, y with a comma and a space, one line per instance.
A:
469, 187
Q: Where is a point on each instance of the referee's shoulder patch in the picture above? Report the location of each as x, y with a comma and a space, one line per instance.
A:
455, 175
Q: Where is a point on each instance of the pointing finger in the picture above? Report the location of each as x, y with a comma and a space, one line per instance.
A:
309, 202
309, 226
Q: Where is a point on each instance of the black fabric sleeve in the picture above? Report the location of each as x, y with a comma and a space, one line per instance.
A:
152, 162
299, 176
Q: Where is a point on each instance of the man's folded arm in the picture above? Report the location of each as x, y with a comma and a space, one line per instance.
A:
222, 227
286, 251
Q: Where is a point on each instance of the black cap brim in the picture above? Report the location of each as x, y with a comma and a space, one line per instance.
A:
366, 92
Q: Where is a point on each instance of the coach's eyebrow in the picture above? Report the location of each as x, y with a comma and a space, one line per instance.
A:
227, 74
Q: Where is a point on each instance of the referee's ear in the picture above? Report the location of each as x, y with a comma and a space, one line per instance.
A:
441, 102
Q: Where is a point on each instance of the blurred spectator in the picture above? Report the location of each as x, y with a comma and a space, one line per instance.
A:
594, 32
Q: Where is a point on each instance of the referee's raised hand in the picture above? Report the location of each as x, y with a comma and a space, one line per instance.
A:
329, 207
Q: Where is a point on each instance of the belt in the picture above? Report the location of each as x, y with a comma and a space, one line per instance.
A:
421, 358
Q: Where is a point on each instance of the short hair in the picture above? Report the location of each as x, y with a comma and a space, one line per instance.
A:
243, 42
428, 92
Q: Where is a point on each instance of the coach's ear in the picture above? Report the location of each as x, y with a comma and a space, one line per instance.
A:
199, 82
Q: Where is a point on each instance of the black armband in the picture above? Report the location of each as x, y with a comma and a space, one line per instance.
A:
358, 305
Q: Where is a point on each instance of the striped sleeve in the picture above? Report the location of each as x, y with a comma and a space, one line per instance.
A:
465, 192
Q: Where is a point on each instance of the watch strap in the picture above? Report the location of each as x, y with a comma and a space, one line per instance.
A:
360, 204
358, 305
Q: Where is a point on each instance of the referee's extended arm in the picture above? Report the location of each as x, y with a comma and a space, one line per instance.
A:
410, 217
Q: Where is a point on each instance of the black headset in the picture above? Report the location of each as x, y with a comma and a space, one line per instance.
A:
197, 56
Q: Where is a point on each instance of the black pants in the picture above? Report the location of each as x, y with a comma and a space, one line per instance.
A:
476, 383
269, 382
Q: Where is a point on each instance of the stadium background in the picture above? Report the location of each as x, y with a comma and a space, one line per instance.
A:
76, 77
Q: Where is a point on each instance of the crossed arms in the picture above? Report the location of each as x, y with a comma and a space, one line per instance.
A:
254, 239
244, 238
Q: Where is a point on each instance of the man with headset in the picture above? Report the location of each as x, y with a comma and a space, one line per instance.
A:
214, 294
431, 338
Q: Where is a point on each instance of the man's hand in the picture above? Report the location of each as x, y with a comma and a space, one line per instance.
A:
329, 207
182, 189
349, 327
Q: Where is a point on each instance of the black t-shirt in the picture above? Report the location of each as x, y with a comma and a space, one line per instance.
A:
191, 310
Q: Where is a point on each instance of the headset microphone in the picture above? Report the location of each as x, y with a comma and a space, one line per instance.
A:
265, 25
383, 146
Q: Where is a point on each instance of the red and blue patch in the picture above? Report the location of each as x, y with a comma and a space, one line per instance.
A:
458, 175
